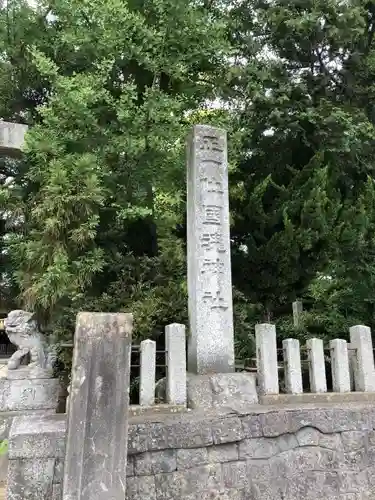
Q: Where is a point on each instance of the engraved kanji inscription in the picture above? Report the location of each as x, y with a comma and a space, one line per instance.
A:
212, 185
211, 143
212, 266
212, 214
213, 241
215, 300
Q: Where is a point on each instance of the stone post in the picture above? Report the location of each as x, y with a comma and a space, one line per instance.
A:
340, 365
148, 373
364, 371
96, 446
297, 311
352, 354
317, 368
211, 341
175, 338
266, 348
12, 138
292, 363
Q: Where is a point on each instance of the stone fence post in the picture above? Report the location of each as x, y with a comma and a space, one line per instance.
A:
364, 371
266, 348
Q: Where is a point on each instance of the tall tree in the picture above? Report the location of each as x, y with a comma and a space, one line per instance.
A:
304, 183
105, 155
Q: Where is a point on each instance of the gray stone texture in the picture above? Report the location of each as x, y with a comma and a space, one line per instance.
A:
317, 369
222, 390
96, 448
340, 365
34, 394
12, 138
266, 352
297, 312
147, 373
175, 343
288, 453
363, 361
211, 341
292, 366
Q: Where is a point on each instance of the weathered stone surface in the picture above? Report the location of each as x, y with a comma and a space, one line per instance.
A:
130, 466
317, 369
258, 448
96, 449
22, 330
334, 398
56, 492
227, 430
187, 459
292, 364
179, 485
186, 434
12, 138
354, 440
37, 437
30, 479
155, 462
252, 426
266, 350
223, 453
147, 373
308, 462
235, 391
34, 394
364, 369
211, 341
325, 420
235, 475
58, 473
175, 339
297, 312
340, 365
140, 488
308, 436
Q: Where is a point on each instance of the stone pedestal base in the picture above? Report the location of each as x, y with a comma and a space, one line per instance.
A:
23, 394
223, 390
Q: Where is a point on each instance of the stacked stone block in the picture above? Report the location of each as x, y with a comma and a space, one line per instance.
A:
285, 454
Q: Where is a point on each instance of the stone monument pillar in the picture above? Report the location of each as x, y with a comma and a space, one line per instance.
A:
211, 364
211, 345
96, 446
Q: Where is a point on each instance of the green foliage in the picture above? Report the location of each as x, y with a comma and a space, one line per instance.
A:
3, 447
103, 191
94, 217
303, 183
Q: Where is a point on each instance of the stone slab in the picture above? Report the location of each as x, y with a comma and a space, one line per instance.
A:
97, 435
39, 436
35, 394
328, 397
136, 410
211, 341
235, 391
12, 138
30, 479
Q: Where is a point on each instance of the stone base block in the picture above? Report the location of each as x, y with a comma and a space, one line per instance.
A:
23, 373
224, 390
23, 395
317, 398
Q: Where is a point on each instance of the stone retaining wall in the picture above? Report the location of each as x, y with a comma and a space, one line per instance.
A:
286, 453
